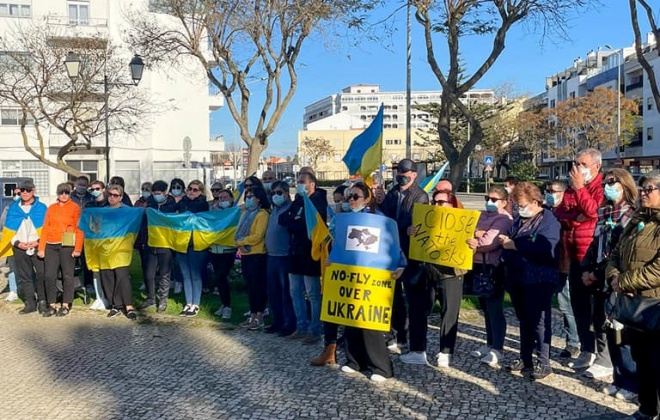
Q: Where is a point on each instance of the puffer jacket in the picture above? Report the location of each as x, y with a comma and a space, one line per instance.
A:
636, 257
578, 214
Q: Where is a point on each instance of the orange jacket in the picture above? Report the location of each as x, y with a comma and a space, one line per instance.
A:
60, 218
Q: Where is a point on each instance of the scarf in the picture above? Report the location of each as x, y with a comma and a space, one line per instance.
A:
610, 218
15, 216
245, 223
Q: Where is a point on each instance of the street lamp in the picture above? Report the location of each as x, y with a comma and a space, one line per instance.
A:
618, 100
72, 64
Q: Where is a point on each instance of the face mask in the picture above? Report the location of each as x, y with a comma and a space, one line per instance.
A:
17, 197
224, 204
357, 209
525, 213
611, 193
402, 180
586, 173
345, 207
176, 191
278, 200
159, 198
95, 193
81, 190
267, 186
491, 207
508, 189
302, 189
249, 203
551, 200
146, 194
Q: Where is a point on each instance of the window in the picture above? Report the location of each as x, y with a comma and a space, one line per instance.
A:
649, 103
337, 157
649, 133
87, 167
78, 13
29, 169
572, 95
168, 170
393, 141
130, 171
14, 10
12, 117
552, 103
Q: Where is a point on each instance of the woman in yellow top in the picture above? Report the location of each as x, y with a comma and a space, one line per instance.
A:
250, 241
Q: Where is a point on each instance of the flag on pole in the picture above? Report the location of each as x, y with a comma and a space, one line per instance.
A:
317, 232
432, 180
365, 153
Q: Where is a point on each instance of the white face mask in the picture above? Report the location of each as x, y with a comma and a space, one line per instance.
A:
525, 213
586, 173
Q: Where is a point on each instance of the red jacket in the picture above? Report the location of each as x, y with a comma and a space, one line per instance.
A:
578, 214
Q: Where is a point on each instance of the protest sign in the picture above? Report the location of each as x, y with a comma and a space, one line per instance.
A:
442, 234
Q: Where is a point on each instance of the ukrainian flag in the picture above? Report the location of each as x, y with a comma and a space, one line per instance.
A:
431, 181
366, 151
15, 216
169, 230
215, 228
109, 236
317, 232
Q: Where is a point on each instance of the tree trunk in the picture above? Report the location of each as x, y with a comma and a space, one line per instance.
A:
255, 148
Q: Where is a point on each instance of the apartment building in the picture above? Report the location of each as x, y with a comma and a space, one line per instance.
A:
173, 139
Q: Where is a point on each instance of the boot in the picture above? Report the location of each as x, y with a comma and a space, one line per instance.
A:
327, 357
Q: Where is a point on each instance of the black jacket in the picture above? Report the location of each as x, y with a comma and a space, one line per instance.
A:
300, 247
83, 200
197, 205
403, 214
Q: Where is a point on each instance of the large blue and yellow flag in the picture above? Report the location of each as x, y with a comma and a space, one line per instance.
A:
109, 236
317, 232
14, 219
432, 180
365, 153
207, 228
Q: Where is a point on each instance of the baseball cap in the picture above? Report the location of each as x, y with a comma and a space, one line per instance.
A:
406, 165
27, 184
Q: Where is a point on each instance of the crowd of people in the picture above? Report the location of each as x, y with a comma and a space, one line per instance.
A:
579, 240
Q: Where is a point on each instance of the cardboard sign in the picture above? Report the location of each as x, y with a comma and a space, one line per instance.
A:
442, 234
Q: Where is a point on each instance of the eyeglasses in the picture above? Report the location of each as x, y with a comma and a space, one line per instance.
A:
278, 192
354, 197
552, 191
648, 189
610, 181
492, 199
95, 189
193, 189
113, 195
26, 190
216, 190
146, 189
65, 192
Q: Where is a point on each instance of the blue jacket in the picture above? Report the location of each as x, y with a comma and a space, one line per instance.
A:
278, 236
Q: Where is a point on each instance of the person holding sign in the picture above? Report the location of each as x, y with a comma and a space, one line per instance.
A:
531, 263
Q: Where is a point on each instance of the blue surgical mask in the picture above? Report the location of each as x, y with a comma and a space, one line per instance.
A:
357, 209
145, 194
17, 197
345, 207
249, 203
278, 200
302, 189
159, 198
550, 200
491, 207
224, 204
95, 193
176, 191
612, 193
267, 186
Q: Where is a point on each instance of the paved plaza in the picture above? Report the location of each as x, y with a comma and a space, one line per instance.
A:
86, 366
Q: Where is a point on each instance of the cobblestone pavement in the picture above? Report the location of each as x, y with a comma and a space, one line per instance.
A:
88, 366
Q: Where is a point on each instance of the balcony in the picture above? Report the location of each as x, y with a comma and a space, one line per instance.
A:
76, 21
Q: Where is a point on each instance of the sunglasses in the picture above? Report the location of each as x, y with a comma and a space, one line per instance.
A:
492, 199
354, 197
113, 195
610, 181
278, 192
193, 189
146, 189
26, 190
95, 189
216, 190
65, 192
648, 189
177, 188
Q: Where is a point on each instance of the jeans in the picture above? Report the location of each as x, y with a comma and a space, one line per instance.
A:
191, 269
570, 327
299, 285
494, 316
11, 276
279, 297
625, 368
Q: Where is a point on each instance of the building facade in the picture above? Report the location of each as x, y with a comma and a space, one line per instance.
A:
173, 139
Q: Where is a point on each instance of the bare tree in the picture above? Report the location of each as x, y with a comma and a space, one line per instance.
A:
314, 148
457, 19
648, 69
34, 80
248, 40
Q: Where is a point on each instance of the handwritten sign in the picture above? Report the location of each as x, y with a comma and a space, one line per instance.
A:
358, 296
442, 234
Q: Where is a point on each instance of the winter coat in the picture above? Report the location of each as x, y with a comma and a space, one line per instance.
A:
403, 216
197, 205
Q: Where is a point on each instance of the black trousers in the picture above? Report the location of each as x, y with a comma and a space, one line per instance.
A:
157, 271
117, 286
222, 264
366, 349
588, 303
421, 298
254, 273
399, 311
645, 348
29, 269
532, 304
56, 258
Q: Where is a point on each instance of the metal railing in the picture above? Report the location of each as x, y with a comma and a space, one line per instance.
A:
76, 21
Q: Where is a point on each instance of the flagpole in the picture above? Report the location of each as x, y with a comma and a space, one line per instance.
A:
409, 42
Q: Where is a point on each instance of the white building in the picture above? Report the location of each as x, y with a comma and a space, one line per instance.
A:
173, 140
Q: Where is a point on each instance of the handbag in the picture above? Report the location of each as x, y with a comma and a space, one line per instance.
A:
638, 312
483, 280
68, 238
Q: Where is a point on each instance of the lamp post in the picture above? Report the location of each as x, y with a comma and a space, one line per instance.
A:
618, 100
72, 64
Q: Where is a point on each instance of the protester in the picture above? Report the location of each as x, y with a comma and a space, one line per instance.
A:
141, 240
97, 191
633, 268
191, 262
613, 216
434, 282
510, 183
144, 196
117, 180
444, 186
11, 275
367, 349
531, 277
252, 181
267, 179
177, 188
80, 195
250, 241
493, 222
222, 257
304, 272
554, 196
61, 242
277, 244
116, 282
398, 205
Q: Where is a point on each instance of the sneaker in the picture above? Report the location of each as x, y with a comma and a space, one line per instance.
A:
256, 325
162, 306
50, 311
147, 304
193, 311
296, 335
443, 360
11, 296
585, 360
598, 371
185, 310
63, 311
570, 352
492, 358
266, 312
97, 305
113, 313
625, 395
377, 378
541, 372
311, 339
130, 314
610, 390
226, 312
348, 369
414, 358
178, 287
219, 311
247, 314
480, 352
216, 292
518, 366
246, 323
143, 287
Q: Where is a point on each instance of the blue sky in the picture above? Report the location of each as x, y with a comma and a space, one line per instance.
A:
524, 63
